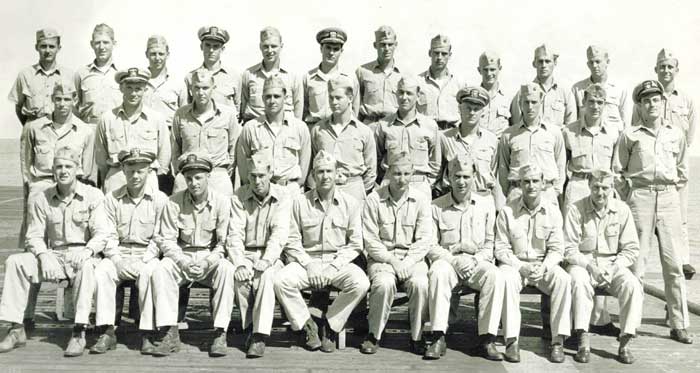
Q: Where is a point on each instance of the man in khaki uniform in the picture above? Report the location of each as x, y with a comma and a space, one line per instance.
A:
281, 137
325, 236
440, 86
651, 158
496, 112
350, 141
130, 221
205, 126
463, 225
600, 244
253, 80
316, 81
257, 234
227, 81
616, 109
379, 79
557, 106
193, 234
397, 231
127, 126
529, 248
407, 130
32, 91
60, 242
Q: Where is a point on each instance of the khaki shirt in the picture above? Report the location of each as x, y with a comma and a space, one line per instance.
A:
333, 235
679, 110
98, 92
164, 94
438, 98
617, 109
587, 151
588, 235
402, 228
558, 107
39, 141
354, 148
454, 224
115, 133
482, 150
258, 229
185, 227
523, 235
289, 150
377, 90
33, 88
315, 84
252, 82
131, 227
646, 158
420, 138
216, 135
55, 223
228, 87
496, 115
543, 145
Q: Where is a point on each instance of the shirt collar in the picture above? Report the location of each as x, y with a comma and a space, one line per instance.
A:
610, 208
452, 203
273, 193
555, 85
93, 66
384, 194
79, 193
604, 127
122, 192
419, 119
260, 67
217, 67
56, 70
377, 68
317, 198
145, 112
523, 125
538, 208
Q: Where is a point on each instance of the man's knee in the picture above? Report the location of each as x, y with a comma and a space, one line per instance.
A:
383, 282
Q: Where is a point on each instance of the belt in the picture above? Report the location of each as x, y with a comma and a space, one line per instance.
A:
132, 246
348, 180
67, 246
581, 175
655, 187
283, 181
194, 249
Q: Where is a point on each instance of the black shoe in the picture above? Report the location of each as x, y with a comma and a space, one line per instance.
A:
688, 271
681, 335
106, 342
218, 345
489, 352
328, 339
583, 353
557, 354
169, 344
417, 347
624, 355
435, 349
512, 354
608, 329
370, 345
310, 333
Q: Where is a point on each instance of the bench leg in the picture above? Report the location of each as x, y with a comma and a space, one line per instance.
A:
60, 299
340, 343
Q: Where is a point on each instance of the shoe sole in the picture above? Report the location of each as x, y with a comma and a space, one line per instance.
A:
172, 351
16, 346
100, 352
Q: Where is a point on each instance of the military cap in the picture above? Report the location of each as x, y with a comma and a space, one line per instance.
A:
399, 159
68, 154
476, 95
440, 41
600, 174
341, 81
156, 41
135, 155
63, 87
133, 75
270, 33
333, 35
408, 82
202, 75
595, 90
489, 58
545, 50
462, 162
103, 28
324, 158
47, 33
384, 33
259, 162
274, 81
213, 33
195, 161
530, 89
594, 51
665, 54
530, 170
646, 88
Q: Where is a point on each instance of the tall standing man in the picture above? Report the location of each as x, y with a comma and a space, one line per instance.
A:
379, 78
497, 112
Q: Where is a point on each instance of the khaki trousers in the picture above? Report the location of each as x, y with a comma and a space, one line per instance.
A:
260, 291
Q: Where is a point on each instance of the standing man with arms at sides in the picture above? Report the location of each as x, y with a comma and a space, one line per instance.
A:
558, 107
127, 126
529, 248
497, 111
34, 85
651, 158
600, 244
193, 235
471, 139
532, 140
379, 78
60, 242
253, 80
406, 130
462, 255
227, 82
616, 109
440, 86
282, 138
257, 234
205, 126
680, 111
397, 231
130, 222
316, 104
350, 141
325, 236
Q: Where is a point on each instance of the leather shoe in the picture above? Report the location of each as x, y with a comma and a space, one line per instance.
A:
512, 354
256, 348
104, 343
608, 329
370, 345
557, 354
583, 355
329, 339
688, 271
624, 355
312, 342
417, 347
76, 345
435, 349
15, 338
169, 344
681, 335
488, 351
147, 346
218, 345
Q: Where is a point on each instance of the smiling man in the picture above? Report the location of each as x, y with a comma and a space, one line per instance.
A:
163, 92
496, 112
379, 78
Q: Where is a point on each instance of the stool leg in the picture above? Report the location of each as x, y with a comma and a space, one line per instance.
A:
60, 299
119, 305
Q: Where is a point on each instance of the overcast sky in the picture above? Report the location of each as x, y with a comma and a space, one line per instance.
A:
633, 32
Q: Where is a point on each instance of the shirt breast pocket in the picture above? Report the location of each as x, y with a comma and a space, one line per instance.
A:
146, 228
386, 225
612, 235
541, 236
81, 217
254, 93
292, 147
518, 240
503, 112
338, 231
185, 226
408, 226
311, 230
372, 92
43, 156
519, 155
217, 140
420, 150
449, 231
